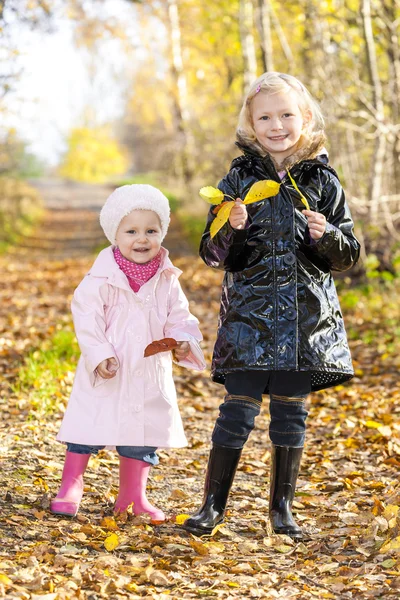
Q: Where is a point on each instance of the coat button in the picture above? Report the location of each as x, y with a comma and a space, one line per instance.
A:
289, 258
138, 338
138, 373
290, 314
138, 408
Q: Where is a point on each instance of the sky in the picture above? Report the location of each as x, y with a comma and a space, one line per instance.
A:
55, 88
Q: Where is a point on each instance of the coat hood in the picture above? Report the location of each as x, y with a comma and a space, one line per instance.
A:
315, 148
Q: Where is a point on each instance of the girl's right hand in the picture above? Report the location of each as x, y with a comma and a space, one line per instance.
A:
107, 368
238, 216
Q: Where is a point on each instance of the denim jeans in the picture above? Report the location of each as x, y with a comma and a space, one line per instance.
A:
288, 391
145, 453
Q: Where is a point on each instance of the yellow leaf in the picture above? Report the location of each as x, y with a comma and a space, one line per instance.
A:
211, 194
390, 513
109, 523
180, 519
261, 190
373, 424
221, 218
294, 184
215, 547
5, 580
232, 584
216, 528
391, 545
111, 542
283, 548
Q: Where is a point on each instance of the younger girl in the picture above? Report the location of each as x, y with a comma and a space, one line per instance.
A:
130, 298
280, 330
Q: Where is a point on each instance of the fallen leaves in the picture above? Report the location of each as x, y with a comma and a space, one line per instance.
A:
347, 499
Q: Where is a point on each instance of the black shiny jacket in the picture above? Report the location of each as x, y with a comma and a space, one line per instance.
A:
279, 306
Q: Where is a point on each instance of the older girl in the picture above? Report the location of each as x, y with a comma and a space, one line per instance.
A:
280, 329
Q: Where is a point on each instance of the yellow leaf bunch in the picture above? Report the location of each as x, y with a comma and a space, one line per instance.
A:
258, 191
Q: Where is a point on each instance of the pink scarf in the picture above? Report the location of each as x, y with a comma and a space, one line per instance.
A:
137, 274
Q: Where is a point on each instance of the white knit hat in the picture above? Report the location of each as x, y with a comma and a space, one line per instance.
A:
125, 199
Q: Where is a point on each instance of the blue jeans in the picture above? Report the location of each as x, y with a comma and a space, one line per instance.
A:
145, 453
288, 391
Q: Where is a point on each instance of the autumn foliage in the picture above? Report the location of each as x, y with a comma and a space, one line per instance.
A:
93, 156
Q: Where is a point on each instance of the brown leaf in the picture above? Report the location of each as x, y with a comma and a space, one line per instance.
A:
164, 345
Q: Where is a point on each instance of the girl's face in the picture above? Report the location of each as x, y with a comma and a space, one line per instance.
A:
139, 236
278, 122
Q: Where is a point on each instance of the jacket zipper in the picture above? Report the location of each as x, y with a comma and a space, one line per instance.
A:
275, 285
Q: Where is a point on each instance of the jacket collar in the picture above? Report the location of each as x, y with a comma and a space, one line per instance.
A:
312, 150
105, 266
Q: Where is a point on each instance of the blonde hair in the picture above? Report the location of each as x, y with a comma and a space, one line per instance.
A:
275, 83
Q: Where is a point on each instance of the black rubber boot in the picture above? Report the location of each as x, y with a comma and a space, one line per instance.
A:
284, 471
221, 470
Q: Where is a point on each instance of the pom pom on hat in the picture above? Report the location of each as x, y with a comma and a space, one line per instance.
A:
127, 198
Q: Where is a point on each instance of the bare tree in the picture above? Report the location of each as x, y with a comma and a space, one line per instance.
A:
246, 19
180, 100
378, 158
282, 37
392, 21
264, 27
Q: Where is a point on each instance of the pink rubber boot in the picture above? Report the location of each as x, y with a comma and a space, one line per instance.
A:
70, 493
132, 489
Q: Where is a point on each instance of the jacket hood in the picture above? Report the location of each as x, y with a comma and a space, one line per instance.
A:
314, 148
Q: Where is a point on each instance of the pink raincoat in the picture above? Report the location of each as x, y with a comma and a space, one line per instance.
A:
137, 407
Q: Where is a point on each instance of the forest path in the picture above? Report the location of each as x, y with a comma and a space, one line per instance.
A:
348, 492
70, 226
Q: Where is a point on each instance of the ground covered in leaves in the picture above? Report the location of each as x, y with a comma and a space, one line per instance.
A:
348, 494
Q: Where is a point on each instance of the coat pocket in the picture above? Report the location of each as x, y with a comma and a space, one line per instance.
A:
101, 388
165, 377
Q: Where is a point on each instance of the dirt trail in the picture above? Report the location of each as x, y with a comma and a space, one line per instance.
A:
70, 227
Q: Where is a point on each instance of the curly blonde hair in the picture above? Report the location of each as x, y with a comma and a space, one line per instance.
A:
275, 83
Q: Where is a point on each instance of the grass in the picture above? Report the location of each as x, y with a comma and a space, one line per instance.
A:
13, 230
193, 227
47, 373
372, 313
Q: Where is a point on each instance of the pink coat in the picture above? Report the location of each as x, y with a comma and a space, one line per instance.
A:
137, 407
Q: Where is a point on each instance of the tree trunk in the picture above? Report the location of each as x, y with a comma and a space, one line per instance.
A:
393, 51
181, 103
282, 40
377, 100
264, 28
246, 22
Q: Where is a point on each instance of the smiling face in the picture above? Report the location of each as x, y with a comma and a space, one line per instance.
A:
139, 236
278, 123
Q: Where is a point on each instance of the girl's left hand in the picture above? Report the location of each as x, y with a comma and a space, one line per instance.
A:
182, 350
316, 224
